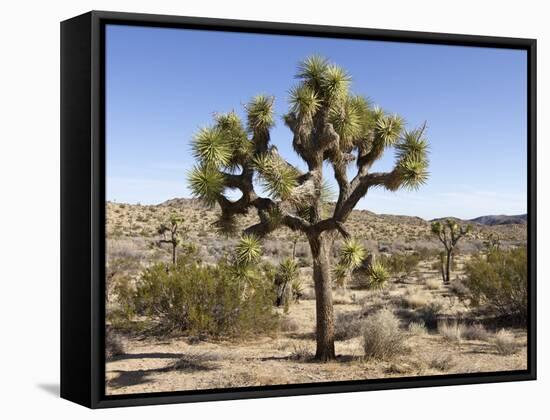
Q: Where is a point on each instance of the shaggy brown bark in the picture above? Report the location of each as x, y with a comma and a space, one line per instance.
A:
320, 248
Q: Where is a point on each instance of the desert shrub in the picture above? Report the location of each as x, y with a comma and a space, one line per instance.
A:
401, 263
505, 343
288, 325
442, 363
459, 288
219, 300
498, 280
475, 332
425, 253
450, 330
430, 313
417, 328
113, 344
347, 325
433, 284
416, 299
382, 337
301, 352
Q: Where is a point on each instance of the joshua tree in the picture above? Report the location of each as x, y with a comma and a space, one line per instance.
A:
175, 230
448, 233
285, 276
329, 125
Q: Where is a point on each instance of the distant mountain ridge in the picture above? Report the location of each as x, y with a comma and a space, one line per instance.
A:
501, 219
488, 220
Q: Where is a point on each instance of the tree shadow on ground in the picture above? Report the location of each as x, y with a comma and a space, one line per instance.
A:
185, 364
302, 335
129, 356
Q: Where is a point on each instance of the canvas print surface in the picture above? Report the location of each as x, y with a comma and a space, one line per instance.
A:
295, 210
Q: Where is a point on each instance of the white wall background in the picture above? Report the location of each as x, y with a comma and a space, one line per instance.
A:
29, 210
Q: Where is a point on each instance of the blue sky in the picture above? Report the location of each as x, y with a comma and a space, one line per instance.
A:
164, 84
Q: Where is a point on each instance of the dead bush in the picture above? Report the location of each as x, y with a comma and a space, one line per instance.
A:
382, 337
505, 343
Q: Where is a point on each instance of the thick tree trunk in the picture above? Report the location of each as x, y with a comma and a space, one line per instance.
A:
320, 249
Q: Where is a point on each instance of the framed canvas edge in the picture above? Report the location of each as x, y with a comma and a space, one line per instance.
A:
98, 399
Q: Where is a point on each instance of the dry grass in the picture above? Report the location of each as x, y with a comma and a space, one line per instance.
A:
417, 328
301, 352
416, 299
433, 284
382, 337
505, 342
348, 325
442, 363
288, 325
451, 331
475, 332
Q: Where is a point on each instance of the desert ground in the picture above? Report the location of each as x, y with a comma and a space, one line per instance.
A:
442, 333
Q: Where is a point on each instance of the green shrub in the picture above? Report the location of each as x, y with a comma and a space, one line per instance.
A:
219, 300
498, 280
401, 263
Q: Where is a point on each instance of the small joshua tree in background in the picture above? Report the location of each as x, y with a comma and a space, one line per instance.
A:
448, 233
328, 124
285, 277
171, 234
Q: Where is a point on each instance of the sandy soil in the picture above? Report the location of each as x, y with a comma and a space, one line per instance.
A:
175, 364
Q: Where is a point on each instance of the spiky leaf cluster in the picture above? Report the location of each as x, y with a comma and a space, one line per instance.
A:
206, 182
248, 250
260, 113
231, 129
277, 178
287, 271
352, 254
212, 148
377, 275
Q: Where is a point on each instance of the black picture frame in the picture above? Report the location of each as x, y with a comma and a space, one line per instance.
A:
83, 207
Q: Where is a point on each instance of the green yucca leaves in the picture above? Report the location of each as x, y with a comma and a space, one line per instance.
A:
248, 250
346, 120
388, 129
260, 113
335, 82
287, 270
211, 147
233, 132
437, 227
377, 275
412, 145
329, 81
341, 274
304, 101
206, 182
312, 70
276, 177
412, 173
352, 254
